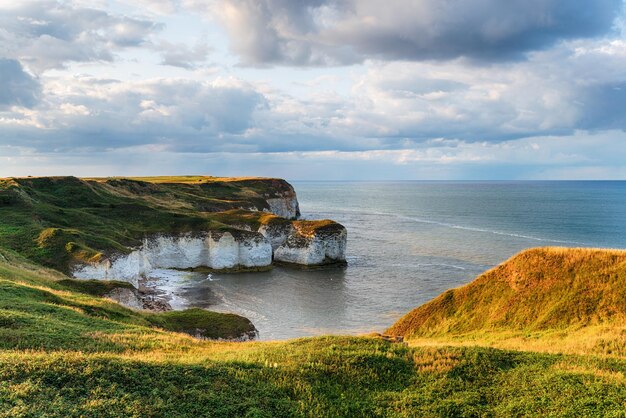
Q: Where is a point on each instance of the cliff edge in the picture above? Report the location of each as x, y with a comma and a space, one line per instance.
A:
121, 228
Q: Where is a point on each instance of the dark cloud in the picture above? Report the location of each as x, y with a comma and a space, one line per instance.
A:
334, 32
604, 106
48, 34
18, 87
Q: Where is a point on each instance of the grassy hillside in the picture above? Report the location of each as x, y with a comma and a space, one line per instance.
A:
55, 221
42, 309
65, 353
545, 298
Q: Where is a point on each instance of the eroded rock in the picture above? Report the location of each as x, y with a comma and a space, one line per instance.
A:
314, 243
126, 297
215, 250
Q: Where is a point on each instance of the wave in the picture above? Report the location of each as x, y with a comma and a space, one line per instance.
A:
461, 227
452, 266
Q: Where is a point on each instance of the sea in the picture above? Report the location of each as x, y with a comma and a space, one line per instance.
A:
407, 243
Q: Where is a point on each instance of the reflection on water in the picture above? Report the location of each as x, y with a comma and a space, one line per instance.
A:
407, 243
282, 303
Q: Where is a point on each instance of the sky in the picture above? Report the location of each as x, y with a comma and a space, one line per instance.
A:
314, 89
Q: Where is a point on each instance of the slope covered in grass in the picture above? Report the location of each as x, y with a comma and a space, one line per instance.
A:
64, 352
55, 221
539, 292
42, 309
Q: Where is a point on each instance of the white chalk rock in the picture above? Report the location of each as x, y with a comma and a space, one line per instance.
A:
276, 233
217, 250
286, 207
326, 245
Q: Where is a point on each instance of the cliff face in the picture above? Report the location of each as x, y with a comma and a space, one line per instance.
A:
124, 227
306, 243
216, 250
312, 243
286, 207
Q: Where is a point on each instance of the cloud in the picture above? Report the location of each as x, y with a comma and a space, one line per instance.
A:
45, 34
577, 86
581, 156
433, 99
176, 114
337, 32
604, 106
18, 87
183, 56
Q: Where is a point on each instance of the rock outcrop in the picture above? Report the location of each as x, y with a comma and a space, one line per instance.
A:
285, 206
126, 297
306, 243
228, 239
313, 243
277, 233
216, 250
136, 299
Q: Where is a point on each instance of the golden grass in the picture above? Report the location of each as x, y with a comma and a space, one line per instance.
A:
310, 228
545, 299
178, 179
599, 340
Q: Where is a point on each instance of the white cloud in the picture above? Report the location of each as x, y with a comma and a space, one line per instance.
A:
450, 115
45, 34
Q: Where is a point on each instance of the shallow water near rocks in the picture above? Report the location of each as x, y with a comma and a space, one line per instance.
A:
407, 243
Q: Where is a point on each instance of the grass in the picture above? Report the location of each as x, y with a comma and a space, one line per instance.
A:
543, 299
40, 309
311, 228
204, 324
319, 377
59, 221
98, 288
65, 352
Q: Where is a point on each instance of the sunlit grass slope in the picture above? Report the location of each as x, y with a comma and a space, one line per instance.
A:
65, 352
541, 299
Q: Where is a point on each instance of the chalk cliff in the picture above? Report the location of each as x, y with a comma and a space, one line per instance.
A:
314, 243
217, 250
285, 206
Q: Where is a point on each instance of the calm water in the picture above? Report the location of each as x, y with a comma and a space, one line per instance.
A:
408, 242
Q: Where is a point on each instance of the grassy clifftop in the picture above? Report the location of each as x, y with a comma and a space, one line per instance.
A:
543, 292
57, 220
65, 353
